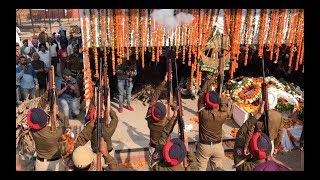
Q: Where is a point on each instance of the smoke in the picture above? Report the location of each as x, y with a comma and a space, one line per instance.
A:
165, 17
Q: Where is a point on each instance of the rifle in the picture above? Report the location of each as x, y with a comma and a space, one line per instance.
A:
180, 113
169, 84
106, 89
99, 120
221, 66
52, 99
265, 99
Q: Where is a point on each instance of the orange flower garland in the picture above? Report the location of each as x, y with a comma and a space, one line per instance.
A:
262, 32
103, 34
292, 36
126, 33
112, 43
136, 32
153, 38
143, 34
272, 30
248, 27
227, 21
87, 80
299, 38
302, 53
94, 36
280, 32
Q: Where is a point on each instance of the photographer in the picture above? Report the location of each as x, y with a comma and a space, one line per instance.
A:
68, 94
125, 72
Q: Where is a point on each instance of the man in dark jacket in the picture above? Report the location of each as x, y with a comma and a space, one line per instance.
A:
212, 112
125, 73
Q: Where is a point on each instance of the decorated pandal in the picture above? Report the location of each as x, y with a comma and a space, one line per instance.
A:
245, 93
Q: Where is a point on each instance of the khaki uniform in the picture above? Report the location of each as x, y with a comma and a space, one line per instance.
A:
275, 128
162, 165
47, 143
241, 161
108, 130
154, 127
210, 131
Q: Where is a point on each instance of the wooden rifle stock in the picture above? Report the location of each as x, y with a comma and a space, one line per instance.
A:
52, 99
266, 102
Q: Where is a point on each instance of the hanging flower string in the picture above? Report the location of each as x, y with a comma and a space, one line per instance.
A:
103, 34
94, 36
248, 26
272, 30
302, 54
300, 38
292, 35
262, 31
153, 38
280, 32
112, 42
227, 21
143, 35
87, 80
136, 32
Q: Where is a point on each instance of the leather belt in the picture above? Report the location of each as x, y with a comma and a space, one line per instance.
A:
209, 143
43, 159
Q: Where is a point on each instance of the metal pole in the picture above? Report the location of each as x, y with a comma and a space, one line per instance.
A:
31, 21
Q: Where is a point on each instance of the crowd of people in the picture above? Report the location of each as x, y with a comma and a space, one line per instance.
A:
253, 150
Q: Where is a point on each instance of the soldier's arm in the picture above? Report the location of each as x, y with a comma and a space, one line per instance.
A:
240, 159
224, 104
155, 96
241, 139
111, 163
44, 100
64, 121
167, 131
207, 85
85, 135
113, 123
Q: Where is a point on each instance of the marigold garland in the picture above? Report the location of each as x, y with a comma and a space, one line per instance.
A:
87, 80
103, 34
94, 36
280, 32
262, 31
248, 26
293, 30
272, 30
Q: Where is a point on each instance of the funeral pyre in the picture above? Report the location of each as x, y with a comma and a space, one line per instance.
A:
245, 92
